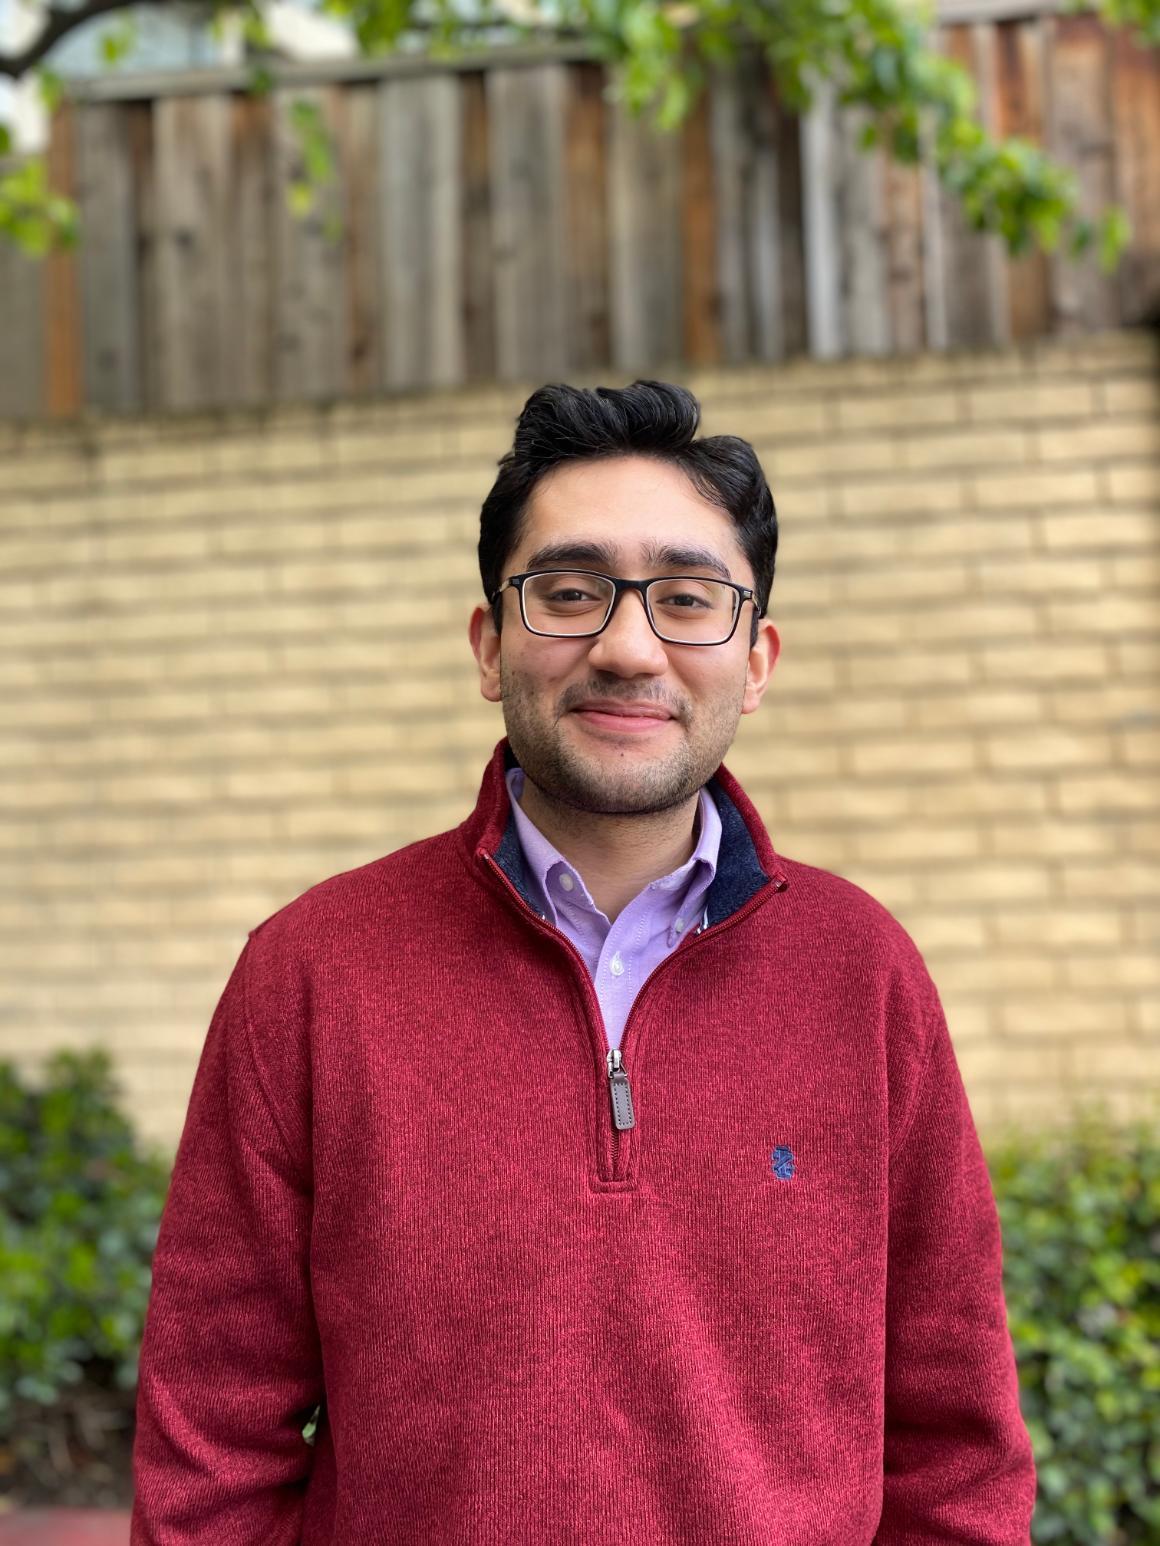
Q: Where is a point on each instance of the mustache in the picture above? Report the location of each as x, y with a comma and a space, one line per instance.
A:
574, 696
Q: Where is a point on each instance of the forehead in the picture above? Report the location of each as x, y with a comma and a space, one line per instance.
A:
634, 509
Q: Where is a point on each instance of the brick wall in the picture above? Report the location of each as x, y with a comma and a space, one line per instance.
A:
207, 707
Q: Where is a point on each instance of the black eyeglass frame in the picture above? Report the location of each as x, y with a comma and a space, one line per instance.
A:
516, 581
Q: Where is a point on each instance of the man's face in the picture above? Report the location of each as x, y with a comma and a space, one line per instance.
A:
638, 519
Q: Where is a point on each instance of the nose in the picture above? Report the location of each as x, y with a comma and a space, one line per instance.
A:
628, 646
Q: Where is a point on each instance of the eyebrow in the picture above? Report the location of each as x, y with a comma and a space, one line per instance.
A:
656, 555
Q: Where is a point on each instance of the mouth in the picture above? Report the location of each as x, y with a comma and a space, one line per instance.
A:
627, 719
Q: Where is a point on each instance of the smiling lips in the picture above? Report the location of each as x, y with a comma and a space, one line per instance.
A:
623, 717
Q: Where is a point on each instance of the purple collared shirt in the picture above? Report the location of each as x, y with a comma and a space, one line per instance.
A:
619, 955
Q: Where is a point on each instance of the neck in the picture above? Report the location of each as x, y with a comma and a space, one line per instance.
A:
616, 855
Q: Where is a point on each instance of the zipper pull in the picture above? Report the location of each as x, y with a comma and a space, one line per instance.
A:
620, 1090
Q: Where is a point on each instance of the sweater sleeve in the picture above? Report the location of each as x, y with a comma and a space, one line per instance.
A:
230, 1365
958, 1464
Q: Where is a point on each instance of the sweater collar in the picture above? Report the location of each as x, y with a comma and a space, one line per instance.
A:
746, 860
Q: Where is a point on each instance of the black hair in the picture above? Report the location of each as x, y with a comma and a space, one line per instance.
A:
561, 423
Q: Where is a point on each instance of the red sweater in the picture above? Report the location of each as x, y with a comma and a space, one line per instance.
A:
767, 1313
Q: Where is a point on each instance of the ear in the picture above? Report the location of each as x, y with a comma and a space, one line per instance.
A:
759, 668
485, 644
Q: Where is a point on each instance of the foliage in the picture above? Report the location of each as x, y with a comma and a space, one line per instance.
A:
1080, 1213
919, 104
80, 1206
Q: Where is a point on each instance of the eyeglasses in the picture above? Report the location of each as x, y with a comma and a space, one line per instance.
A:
578, 604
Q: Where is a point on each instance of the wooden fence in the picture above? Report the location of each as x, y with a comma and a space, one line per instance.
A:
505, 220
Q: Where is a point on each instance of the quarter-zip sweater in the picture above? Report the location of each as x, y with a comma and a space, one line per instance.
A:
751, 1297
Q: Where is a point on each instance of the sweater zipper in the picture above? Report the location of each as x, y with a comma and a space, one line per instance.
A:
619, 1086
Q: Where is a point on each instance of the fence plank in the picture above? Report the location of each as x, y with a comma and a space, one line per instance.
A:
862, 223
63, 385
645, 232
1080, 118
821, 174
22, 350
420, 141
479, 341
587, 320
903, 210
766, 339
358, 153
192, 216
527, 110
106, 201
1020, 79
310, 307
791, 239
966, 264
984, 52
1136, 99
701, 324
732, 177
253, 262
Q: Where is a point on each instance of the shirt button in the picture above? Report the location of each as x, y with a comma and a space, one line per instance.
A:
616, 965
566, 881
679, 925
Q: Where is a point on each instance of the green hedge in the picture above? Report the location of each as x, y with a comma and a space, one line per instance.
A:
1080, 1212
80, 1203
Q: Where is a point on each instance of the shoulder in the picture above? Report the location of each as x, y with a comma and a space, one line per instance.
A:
844, 919
343, 908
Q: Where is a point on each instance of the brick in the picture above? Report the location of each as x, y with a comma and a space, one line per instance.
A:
1109, 613
1043, 660
1003, 1058
1064, 1015
1046, 748
899, 496
1131, 394
1103, 529
915, 844
1139, 482
1121, 971
1048, 837
902, 410
275, 783
972, 619
1099, 440
1039, 576
941, 933
987, 881
980, 706
908, 755
1137, 657
777, 417
907, 668
1054, 927
1110, 879
1117, 704
1035, 488
967, 448
867, 587
830, 630
841, 804
1133, 1061
1104, 793
831, 458
1030, 401
1139, 747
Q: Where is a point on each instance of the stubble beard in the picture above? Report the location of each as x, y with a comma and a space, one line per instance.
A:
597, 785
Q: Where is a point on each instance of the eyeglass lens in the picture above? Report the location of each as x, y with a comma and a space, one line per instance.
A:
682, 610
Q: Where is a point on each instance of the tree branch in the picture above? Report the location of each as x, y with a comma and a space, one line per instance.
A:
58, 24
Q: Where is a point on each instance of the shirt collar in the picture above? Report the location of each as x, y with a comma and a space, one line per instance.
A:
542, 857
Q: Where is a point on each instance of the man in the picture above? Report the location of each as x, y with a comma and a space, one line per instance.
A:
589, 1172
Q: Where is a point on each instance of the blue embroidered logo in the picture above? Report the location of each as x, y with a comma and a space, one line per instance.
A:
782, 1161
